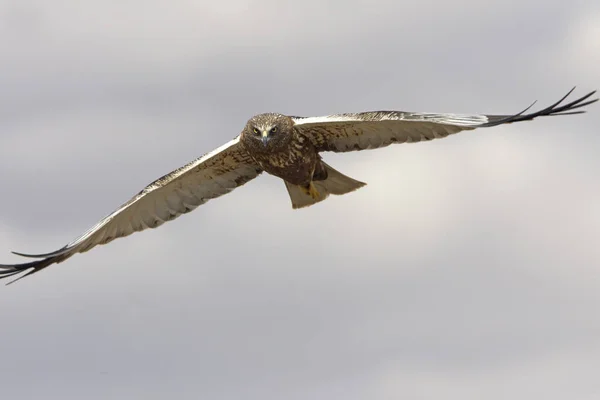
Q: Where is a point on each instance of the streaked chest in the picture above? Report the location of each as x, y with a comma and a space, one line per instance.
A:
295, 163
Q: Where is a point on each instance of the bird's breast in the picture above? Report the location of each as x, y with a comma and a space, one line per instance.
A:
295, 163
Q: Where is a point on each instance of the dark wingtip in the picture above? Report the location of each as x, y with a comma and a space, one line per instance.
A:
14, 270
6, 271
44, 255
552, 110
528, 108
23, 254
19, 278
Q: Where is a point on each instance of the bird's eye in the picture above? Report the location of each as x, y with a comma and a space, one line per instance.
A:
255, 131
274, 129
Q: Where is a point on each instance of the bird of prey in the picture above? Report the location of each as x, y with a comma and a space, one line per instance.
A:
288, 147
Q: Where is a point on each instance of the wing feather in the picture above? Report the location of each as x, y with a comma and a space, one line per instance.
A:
177, 193
376, 129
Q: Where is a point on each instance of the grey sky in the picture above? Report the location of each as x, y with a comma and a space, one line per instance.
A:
467, 268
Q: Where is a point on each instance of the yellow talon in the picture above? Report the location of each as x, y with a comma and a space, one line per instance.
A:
312, 191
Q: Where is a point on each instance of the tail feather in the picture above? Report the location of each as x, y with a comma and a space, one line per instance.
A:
336, 183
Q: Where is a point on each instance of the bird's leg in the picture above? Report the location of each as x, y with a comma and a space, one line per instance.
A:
311, 191
320, 172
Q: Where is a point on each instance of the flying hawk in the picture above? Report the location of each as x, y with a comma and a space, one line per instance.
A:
288, 147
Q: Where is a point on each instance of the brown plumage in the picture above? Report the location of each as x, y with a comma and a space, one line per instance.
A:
280, 148
283, 146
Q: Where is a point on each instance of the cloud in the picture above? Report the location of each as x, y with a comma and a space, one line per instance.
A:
527, 379
466, 265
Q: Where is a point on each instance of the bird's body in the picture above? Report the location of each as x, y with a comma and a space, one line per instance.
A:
281, 149
284, 146
293, 159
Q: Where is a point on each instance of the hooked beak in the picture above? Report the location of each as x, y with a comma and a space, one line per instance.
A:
265, 137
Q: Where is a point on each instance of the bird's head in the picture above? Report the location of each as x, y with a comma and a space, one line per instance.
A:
268, 132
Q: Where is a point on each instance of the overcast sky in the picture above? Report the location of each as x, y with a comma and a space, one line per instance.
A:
467, 268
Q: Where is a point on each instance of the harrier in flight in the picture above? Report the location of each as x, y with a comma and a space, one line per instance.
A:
285, 146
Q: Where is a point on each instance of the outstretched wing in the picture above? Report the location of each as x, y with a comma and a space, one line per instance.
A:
375, 129
170, 196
